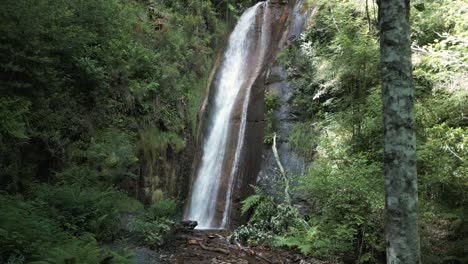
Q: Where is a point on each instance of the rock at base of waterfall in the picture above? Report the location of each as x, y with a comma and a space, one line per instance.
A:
187, 225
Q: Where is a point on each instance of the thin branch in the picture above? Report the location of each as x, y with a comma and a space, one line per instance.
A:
283, 172
455, 154
418, 48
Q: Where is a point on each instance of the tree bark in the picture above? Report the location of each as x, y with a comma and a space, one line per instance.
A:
369, 24
401, 201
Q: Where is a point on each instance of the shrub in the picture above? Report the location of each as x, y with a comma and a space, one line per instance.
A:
150, 233
268, 220
25, 229
81, 210
81, 250
165, 208
271, 104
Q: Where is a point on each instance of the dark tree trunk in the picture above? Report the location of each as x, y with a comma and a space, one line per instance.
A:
401, 201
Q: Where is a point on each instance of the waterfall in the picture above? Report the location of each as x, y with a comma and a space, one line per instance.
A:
264, 40
235, 80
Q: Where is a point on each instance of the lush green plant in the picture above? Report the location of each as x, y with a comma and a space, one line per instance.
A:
267, 220
25, 229
29, 232
93, 97
165, 208
271, 105
151, 233
333, 70
303, 140
81, 250
152, 228
347, 193
84, 210
309, 240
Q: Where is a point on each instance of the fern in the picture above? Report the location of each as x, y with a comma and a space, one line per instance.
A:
307, 241
250, 202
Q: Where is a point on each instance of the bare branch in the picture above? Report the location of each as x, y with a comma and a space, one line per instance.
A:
283, 172
455, 154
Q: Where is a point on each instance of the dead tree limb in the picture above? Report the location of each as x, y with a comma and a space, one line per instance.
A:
214, 249
283, 172
251, 252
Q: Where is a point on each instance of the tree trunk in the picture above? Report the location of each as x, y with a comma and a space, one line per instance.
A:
369, 24
401, 201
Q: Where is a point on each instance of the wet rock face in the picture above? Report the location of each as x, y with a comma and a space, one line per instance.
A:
249, 165
283, 123
283, 117
257, 163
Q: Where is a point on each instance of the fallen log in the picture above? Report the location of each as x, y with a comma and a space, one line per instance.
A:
214, 249
251, 252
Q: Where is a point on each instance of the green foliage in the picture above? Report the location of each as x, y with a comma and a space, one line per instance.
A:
251, 202
303, 140
165, 208
152, 228
94, 97
268, 219
25, 229
81, 250
81, 80
347, 194
13, 116
271, 104
335, 65
309, 240
150, 233
82, 210
30, 231
333, 68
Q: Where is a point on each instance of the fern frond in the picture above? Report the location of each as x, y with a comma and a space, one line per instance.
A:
250, 202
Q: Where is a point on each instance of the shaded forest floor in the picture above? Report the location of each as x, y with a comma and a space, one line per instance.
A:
212, 246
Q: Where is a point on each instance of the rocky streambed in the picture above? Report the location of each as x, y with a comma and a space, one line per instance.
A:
213, 246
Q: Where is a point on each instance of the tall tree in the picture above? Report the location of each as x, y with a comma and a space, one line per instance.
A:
401, 200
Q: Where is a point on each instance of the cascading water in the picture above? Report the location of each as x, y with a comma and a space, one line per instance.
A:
234, 76
264, 41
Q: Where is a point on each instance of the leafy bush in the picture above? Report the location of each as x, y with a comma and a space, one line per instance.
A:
303, 140
151, 233
309, 240
347, 193
81, 250
25, 229
165, 208
29, 233
152, 228
271, 104
267, 220
84, 210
